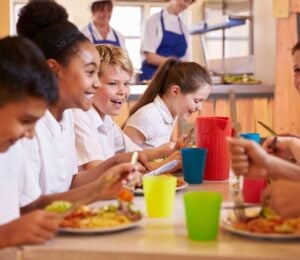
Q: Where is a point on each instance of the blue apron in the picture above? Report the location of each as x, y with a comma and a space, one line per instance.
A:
116, 43
172, 45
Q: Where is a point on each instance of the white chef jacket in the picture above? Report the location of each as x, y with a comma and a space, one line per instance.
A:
110, 36
155, 122
152, 33
97, 138
51, 154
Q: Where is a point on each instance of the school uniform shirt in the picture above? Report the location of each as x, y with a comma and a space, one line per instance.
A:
165, 34
97, 138
15, 192
155, 122
113, 37
51, 154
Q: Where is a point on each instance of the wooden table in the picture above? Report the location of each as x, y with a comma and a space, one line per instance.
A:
162, 239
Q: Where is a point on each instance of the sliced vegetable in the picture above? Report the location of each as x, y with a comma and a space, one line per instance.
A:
59, 206
125, 195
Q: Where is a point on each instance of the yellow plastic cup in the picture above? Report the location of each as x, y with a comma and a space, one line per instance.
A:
159, 194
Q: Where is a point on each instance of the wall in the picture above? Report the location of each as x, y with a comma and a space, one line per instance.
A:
264, 41
4, 18
79, 12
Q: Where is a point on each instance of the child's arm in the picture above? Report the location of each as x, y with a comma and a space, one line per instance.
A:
134, 134
33, 228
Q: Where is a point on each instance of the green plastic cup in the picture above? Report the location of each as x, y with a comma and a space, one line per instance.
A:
159, 194
202, 211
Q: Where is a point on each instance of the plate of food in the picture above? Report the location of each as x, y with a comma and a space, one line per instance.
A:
180, 185
118, 216
243, 79
267, 225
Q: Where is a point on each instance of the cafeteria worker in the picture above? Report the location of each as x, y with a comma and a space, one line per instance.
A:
99, 31
164, 35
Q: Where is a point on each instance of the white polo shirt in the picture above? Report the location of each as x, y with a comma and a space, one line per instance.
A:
110, 36
152, 33
97, 138
155, 122
51, 155
14, 191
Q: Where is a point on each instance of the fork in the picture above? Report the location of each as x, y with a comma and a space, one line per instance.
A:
110, 179
239, 210
132, 183
189, 137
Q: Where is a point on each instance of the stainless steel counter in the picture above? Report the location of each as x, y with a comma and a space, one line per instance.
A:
221, 91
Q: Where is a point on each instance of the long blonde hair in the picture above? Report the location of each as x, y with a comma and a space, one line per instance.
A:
189, 76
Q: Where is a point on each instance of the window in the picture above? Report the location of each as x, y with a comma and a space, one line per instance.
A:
15, 6
131, 29
229, 42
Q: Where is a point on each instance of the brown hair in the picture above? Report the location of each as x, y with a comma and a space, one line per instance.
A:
113, 55
189, 76
296, 47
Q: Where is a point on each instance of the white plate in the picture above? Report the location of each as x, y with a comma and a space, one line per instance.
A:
141, 191
227, 225
100, 230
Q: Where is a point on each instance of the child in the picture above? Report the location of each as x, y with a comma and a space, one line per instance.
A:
97, 136
51, 154
27, 85
177, 89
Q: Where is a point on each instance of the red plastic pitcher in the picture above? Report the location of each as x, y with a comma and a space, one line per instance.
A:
211, 134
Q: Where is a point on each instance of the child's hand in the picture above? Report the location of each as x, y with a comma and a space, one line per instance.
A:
35, 227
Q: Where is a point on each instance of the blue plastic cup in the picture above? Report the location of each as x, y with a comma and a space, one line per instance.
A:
193, 164
251, 136
252, 188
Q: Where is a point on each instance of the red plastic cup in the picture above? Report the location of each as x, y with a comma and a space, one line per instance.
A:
252, 189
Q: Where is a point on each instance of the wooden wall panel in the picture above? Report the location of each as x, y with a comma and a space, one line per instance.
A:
249, 110
263, 112
4, 18
208, 107
221, 107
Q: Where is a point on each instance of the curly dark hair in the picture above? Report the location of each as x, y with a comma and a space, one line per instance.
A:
46, 23
24, 72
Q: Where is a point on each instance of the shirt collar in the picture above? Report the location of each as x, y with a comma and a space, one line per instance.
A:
56, 127
164, 111
167, 15
105, 123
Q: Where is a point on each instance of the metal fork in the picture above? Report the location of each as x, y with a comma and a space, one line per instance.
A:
104, 184
239, 210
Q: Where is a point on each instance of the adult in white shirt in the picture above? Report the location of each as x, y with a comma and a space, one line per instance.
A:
164, 35
27, 85
99, 31
51, 154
